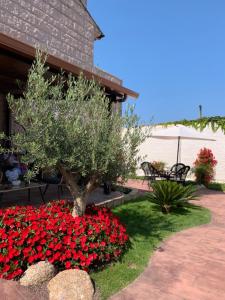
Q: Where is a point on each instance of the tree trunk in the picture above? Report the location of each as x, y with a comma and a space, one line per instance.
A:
79, 196
79, 201
79, 206
165, 209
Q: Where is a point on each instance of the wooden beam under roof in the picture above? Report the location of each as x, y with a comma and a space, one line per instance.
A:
27, 51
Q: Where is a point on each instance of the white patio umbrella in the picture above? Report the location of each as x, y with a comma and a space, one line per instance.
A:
180, 132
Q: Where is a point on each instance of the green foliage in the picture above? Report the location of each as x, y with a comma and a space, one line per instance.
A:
201, 173
169, 194
2, 139
215, 123
67, 124
29, 175
146, 227
216, 186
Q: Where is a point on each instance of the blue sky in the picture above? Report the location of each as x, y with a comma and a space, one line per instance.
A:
170, 51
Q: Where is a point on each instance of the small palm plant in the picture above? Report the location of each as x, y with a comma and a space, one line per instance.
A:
169, 195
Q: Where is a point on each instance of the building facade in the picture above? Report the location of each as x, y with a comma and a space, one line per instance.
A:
64, 29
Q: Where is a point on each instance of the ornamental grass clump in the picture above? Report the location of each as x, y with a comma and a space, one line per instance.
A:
170, 195
50, 232
204, 167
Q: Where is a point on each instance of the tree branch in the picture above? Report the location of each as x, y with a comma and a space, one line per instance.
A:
68, 177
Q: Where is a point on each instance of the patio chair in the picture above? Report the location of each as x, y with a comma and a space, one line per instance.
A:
175, 168
151, 173
145, 168
55, 179
180, 175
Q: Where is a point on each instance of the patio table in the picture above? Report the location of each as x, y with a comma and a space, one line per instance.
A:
166, 173
22, 187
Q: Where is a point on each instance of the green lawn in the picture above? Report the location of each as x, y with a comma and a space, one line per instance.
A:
146, 226
217, 186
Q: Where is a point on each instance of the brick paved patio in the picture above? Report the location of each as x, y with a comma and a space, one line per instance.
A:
139, 184
21, 197
188, 266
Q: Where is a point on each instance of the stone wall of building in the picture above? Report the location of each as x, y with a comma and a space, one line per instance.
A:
107, 75
62, 27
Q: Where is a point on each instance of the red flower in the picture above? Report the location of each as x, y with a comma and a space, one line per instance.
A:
48, 253
30, 234
5, 269
39, 248
103, 243
68, 265
43, 242
57, 247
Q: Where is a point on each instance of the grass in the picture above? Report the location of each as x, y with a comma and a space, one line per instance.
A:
216, 186
147, 227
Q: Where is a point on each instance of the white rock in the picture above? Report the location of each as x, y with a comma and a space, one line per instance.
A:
38, 273
71, 285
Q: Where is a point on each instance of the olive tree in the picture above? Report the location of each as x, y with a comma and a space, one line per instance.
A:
67, 124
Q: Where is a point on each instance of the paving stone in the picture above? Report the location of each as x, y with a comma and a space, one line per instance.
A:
11, 290
191, 264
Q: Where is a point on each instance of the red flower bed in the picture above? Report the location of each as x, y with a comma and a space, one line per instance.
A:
29, 235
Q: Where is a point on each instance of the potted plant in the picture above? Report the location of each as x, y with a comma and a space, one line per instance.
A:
28, 176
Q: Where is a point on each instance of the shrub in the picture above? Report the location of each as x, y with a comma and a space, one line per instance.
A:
204, 166
169, 195
202, 174
29, 235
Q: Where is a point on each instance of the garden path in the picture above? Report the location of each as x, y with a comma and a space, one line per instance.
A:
138, 184
189, 265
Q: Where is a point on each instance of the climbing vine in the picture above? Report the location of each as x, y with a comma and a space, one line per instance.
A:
214, 123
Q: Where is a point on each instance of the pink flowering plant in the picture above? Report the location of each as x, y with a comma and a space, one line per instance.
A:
204, 166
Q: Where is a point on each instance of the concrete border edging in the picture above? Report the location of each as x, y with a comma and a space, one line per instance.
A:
120, 200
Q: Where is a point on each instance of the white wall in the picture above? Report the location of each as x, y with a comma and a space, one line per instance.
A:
166, 150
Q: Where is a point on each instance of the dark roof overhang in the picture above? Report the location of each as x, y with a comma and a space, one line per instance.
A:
27, 51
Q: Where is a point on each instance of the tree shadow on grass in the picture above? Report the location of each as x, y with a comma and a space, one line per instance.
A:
183, 210
186, 209
144, 219
144, 222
